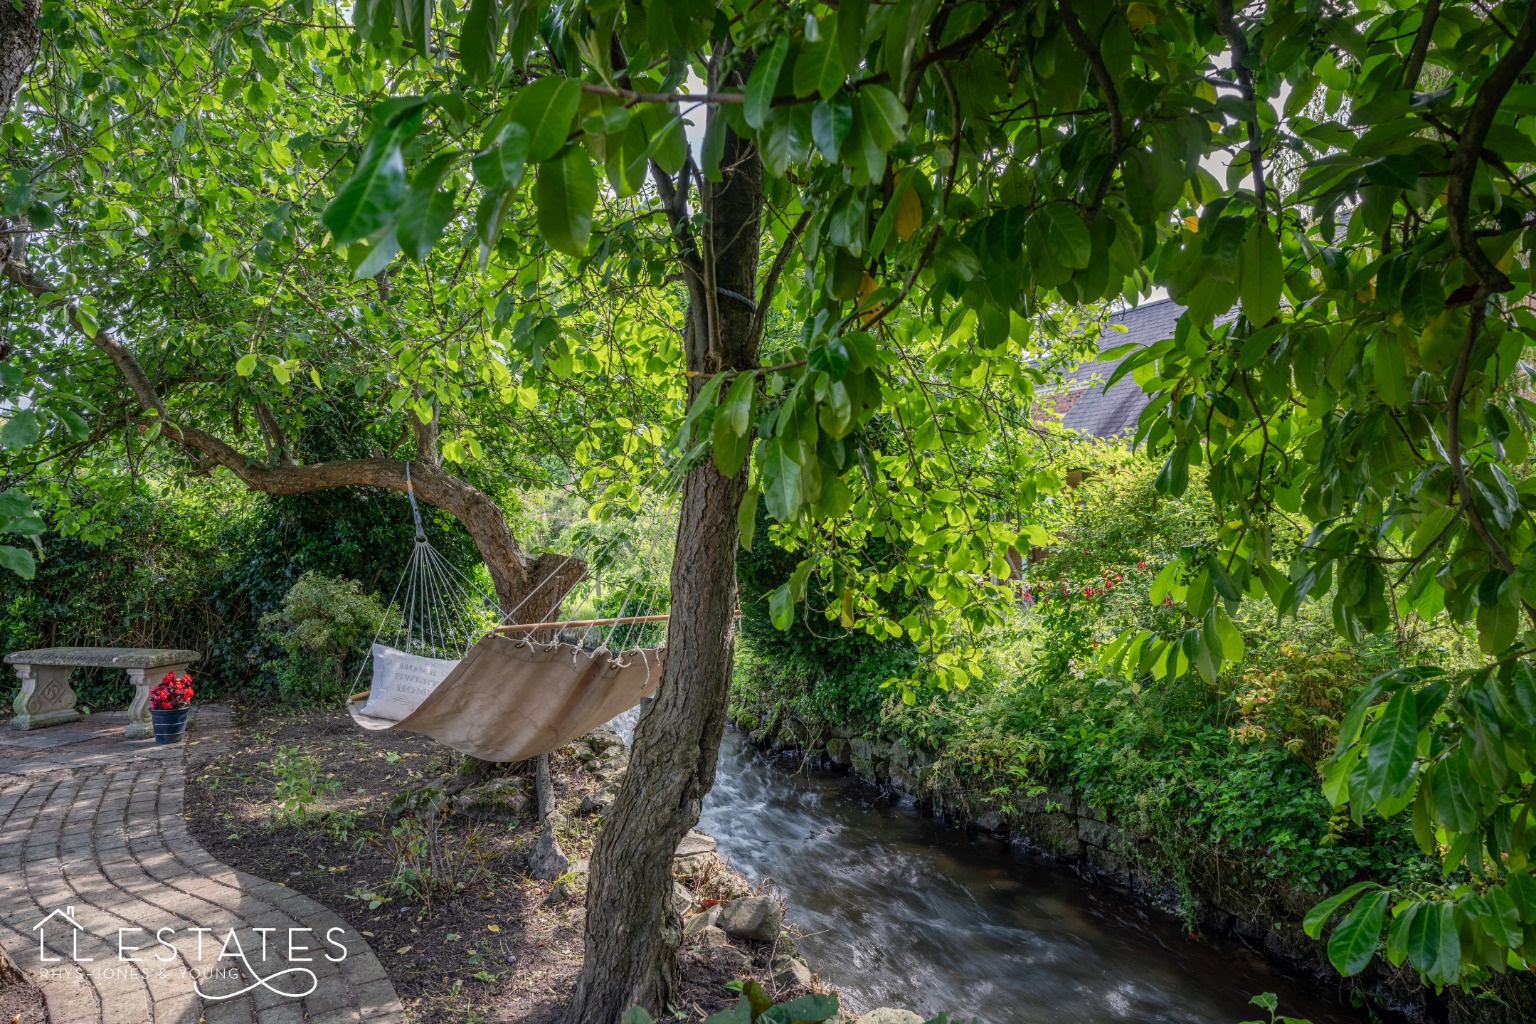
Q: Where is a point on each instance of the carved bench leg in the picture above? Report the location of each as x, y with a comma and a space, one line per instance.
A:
46, 698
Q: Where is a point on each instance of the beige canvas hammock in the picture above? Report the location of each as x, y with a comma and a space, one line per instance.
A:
511, 699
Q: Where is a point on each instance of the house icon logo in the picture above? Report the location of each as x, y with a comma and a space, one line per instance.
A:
68, 916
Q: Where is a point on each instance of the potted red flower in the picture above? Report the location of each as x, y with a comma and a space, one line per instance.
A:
168, 706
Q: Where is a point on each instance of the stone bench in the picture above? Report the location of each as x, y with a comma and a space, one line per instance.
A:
47, 698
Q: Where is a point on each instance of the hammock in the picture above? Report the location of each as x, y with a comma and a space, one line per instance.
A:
444, 667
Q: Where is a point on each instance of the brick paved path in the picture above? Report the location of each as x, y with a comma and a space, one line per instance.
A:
95, 822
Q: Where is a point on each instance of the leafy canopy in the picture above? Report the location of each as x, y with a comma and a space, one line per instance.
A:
1339, 194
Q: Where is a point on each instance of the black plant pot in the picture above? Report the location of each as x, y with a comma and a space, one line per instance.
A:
170, 726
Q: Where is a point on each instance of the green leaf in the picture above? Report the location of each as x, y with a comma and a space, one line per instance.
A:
1259, 276
415, 17
1393, 744
1396, 171
378, 256
427, 210
702, 403
1231, 639
21, 430
488, 219
1497, 627
74, 423
1423, 297
1390, 368
1173, 478
764, 82
852, 17
1353, 943
1504, 918
836, 499
246, 364
819, 68
714, 148
546, 110
746, 517
781, 608
883, 116
730, 448
1318, 916
373, 19
567, 191
808, 1009
737, 408
830, 358
18, 561
1433, 944
831, 121
502, 165
371, 197
478, 35
781, 481
1065, 233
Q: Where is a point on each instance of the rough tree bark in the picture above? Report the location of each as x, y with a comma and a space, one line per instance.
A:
632, 934
19, 40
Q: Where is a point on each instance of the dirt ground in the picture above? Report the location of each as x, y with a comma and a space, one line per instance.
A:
20, 1000
483, 943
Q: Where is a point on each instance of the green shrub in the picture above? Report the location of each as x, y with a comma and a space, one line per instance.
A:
298, 786
199, 567
1222, 775
823, 670
321, 625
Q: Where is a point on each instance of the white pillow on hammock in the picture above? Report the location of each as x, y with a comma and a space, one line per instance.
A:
402, 681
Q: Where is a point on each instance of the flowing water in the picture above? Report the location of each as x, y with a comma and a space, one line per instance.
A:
899, 909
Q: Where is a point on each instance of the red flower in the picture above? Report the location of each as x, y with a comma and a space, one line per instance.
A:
173, 693
1141, 565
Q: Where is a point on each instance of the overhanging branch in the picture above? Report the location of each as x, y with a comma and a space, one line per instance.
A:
1469, 150
510, 569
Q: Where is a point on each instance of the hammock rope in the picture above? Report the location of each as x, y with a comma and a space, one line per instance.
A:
449, 664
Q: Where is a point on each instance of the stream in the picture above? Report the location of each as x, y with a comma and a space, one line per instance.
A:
898, 909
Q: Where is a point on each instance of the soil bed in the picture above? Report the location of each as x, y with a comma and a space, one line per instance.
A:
506, 948
20, 1001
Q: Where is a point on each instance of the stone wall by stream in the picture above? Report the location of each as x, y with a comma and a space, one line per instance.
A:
1216, 894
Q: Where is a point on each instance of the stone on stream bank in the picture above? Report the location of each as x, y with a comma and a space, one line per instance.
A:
888, 1015
755, 918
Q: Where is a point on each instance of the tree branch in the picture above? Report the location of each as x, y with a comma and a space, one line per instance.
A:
662, 97
771, 282
1420, 50
510, 568
1453, 436
1109, 93
1469, 149
1227, 25
426, 438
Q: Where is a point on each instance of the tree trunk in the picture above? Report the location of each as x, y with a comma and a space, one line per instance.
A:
632, 933
19, 40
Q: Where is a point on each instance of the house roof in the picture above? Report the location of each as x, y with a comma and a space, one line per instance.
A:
1109, 413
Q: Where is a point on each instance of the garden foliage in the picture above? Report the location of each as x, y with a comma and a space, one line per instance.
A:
1340, 195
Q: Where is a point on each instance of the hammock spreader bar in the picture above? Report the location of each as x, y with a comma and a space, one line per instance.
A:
623, 620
